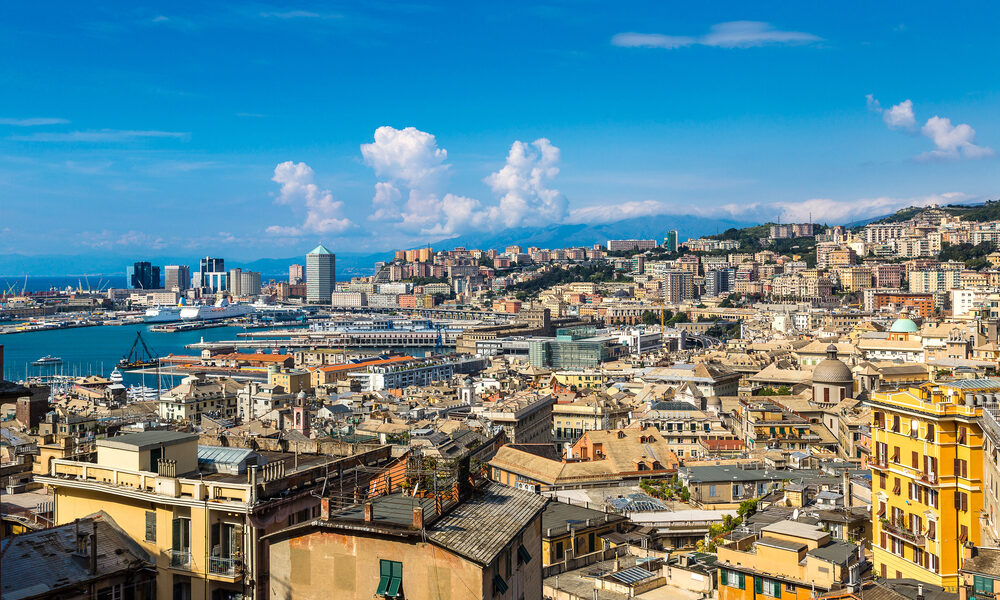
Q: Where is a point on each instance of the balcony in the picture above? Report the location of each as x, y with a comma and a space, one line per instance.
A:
903, 533
218, 565
930, 478
180, 559
879, 463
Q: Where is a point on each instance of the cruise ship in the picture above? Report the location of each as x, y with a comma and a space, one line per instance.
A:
220, 310
163, 314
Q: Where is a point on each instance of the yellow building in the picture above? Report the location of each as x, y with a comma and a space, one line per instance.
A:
570, 531
927, 462
788, 559
199, 511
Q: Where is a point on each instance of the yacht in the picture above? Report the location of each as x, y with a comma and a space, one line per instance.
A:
47, 360
116, 376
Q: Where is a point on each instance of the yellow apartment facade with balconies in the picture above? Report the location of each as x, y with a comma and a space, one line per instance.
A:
199, 511
927, 462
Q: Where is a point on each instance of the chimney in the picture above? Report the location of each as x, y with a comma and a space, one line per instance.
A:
368, 512
324, 509
418, 517
93, 549
920, 591
969, 551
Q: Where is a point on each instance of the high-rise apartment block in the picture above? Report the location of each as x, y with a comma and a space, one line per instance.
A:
296, 274
320, 275
620, 245
177, 277
927, 477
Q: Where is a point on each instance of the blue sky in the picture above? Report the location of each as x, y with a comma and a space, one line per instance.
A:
255, 130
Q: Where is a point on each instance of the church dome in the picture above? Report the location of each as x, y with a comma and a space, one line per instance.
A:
831, 369
903, 326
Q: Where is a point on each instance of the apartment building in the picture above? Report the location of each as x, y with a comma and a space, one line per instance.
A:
787, 559
199, 511
927, 467
196, 396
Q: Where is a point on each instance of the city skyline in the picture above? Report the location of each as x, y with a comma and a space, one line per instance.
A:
218, 130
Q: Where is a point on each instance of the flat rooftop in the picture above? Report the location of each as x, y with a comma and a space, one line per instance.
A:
146, 439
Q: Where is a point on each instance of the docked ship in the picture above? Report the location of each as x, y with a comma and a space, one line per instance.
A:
220, 310
163, 314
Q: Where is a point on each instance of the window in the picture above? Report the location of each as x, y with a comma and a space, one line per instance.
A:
930, 529
790, 587
961, 468
559, 550
390, 579
711, 491
523, 556
982, 587
961, 501
592, 541
930, 432
180, 542
150, 525
113, 592
915, 460
962, 435
499, 585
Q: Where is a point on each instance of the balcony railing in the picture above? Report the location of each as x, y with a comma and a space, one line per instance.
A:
902, 532
991, 420
931, 478
223, 566
180, 558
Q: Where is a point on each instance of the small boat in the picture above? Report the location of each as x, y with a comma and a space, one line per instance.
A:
47, 360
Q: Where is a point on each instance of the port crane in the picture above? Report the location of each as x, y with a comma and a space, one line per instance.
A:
136, 358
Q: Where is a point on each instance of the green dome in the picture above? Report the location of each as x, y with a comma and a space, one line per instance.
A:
903, 326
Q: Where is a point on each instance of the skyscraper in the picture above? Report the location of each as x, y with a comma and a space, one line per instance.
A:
212, 273
296, 274
670, 242
143, 276
320, 275
177, 276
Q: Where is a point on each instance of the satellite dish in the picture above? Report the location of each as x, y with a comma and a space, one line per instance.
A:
795, 515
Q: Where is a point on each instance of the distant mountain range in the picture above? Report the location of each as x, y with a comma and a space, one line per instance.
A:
355, 263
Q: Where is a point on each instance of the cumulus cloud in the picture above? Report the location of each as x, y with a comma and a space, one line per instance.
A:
524, 185
323, 213
732, 34
952, 141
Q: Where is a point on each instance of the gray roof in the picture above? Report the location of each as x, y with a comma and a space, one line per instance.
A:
559, 514
986, 562
837, 552
779, 543
729, 473
147, 439
478, 529
222, 454
43, 562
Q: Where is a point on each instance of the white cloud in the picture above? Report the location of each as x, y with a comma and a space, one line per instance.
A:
523, 184
732, 34
100, 135
900, 116
825, 210
609, 213
408, 155
323, 213
33, 122
651, 40
952, 141
107, 239
297, 14
386, 202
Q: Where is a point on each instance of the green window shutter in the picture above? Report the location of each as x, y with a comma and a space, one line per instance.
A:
523, 555
396, 581
758, 585
722, 577
175, 541
777, 589
743, 581
385, 576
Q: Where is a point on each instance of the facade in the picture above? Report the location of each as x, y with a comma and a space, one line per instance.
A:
143, 276
922, 303
212, 274
487, 547
196, 396
927, 477
625, 245
789, 560
725, 486
321, 274
525, 418
177, 277
296, 274
404, 374
199, 511
678, 286
671, 241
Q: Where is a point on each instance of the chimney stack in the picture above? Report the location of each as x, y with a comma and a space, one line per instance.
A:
93, 549
920, 591
418, 517
368, 512
324, 509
